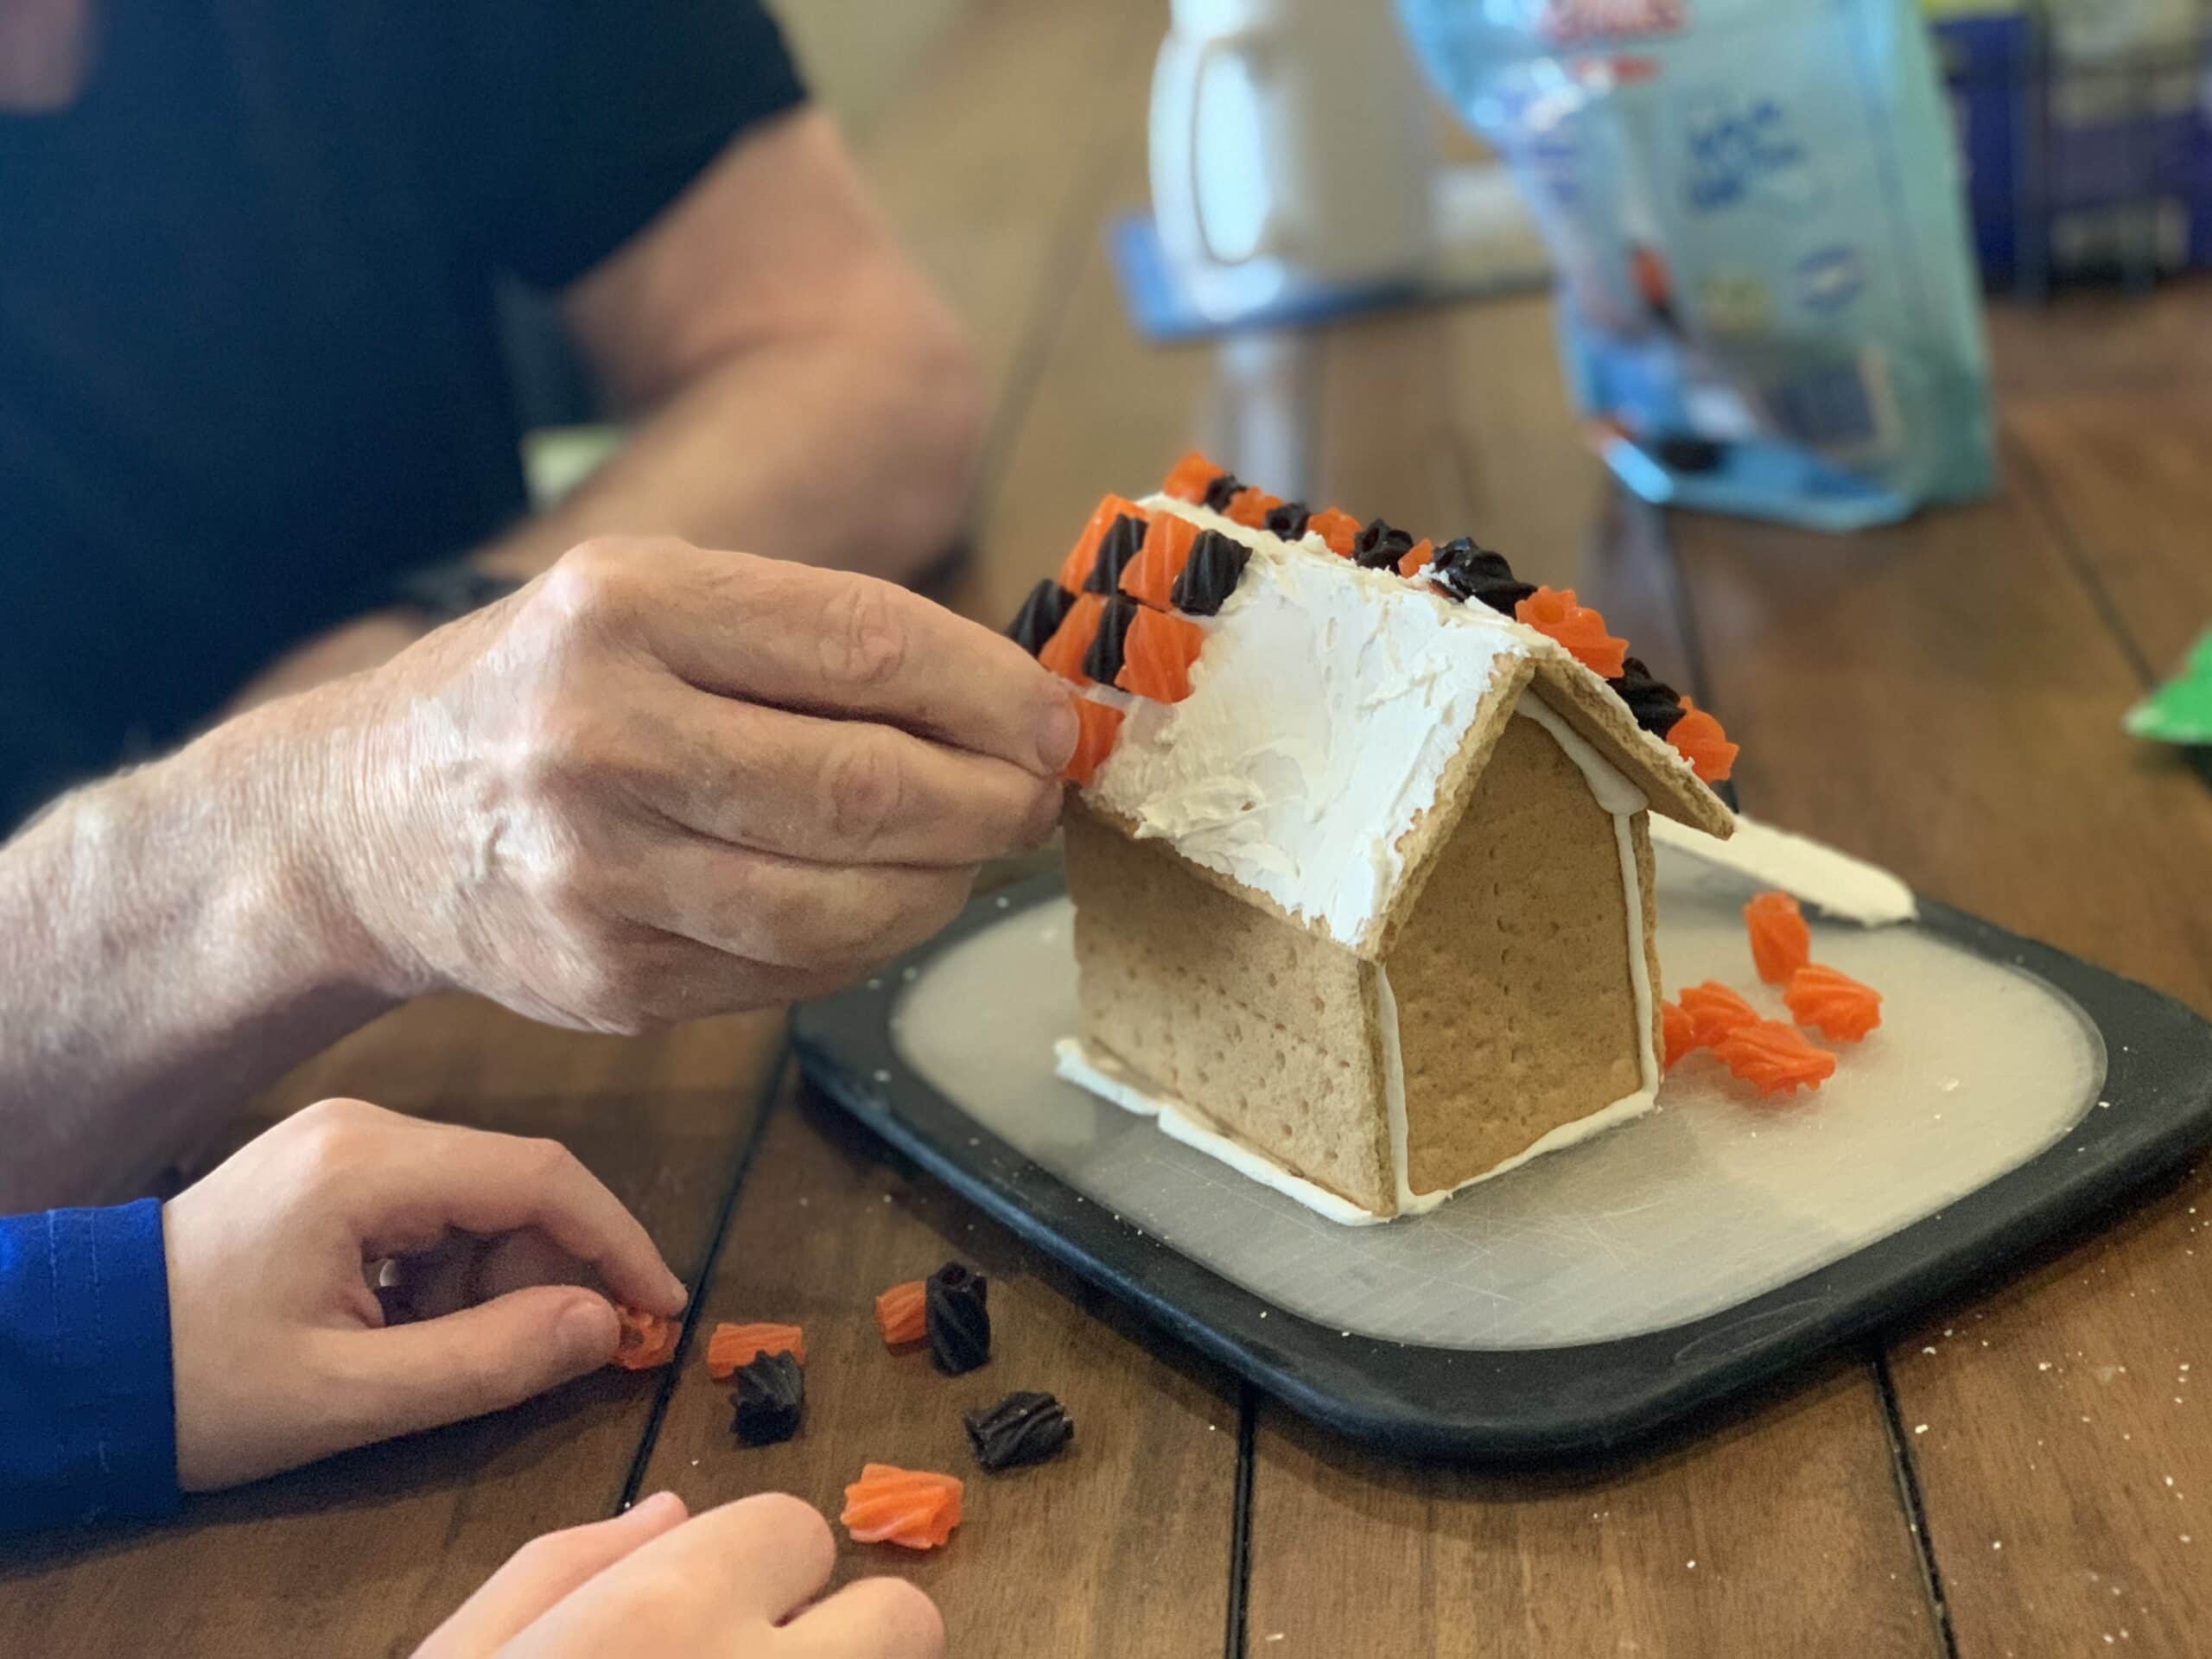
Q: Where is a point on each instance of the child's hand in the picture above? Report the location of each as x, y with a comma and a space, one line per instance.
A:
282, 1354
649, 1581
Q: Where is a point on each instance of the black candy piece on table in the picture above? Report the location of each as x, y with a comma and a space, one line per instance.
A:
1468, 571
1209, 576
958, 1323
771, 1392
1288, 520
1124, 541
1103, 660
1041, 615
1025, 1426
1380, 546
1656, 705
1221, 489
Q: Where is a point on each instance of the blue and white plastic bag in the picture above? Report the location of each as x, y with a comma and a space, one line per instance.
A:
1767, 302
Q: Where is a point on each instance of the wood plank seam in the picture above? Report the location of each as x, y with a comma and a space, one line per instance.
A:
1908, 1496
1236, 1637
771, 1090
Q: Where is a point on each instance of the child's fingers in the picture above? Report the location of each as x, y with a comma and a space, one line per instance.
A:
484, 1182
541, 1573
718, 1584
876, 1618
408, 1378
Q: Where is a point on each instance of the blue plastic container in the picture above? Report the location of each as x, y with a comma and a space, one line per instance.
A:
1768, 305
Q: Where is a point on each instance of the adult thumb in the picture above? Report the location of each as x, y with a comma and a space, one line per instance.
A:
483, 1358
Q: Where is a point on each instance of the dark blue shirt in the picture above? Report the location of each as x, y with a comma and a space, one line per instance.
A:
87, 1403
251, 366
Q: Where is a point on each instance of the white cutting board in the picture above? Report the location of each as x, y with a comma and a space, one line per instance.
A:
1709, 1200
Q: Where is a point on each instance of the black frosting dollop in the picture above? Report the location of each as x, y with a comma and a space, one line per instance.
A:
1040, 616
1209, 576
1124, 541
1288, 520
1656, 705
1103, 660
1219, 491
1467, 571
771, 1393
1025, 1426
959, 1324
1380, 546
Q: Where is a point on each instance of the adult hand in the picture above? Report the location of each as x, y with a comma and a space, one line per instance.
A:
280, 1350
732, 1581
661, 782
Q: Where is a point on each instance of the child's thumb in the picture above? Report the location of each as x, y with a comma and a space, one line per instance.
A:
486, 1358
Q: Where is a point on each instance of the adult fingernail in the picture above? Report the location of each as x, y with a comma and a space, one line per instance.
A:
585, 1331
657, 1506
674, 1289
1057, 731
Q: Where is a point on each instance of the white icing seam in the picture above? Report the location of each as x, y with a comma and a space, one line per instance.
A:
1844, 886
1113, 1082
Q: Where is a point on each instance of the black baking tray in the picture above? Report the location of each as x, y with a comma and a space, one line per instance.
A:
1535, 1405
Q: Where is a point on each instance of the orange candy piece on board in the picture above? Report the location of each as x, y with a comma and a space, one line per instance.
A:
1075, 570
1188, 478
1677, 1035
1101, 725
901, 1314
643, 1340
1697, 737
733, 1345
1714, 1011
1781, 942
1157, 655
1834, 1004
1416, 556
1555, 612
1339, 530
1251, 507
1774, 1058
1150, 578
1071, 642
916, 1508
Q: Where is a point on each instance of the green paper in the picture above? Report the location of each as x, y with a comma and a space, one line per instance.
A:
2181, 710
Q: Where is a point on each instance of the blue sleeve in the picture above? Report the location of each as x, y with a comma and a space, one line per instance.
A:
88, 1404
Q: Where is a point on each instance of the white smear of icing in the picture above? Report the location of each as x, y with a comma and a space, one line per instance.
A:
1323, 714
1843, 885
1111, 1081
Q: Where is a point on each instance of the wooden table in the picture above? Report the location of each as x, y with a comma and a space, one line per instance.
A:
2028, 1472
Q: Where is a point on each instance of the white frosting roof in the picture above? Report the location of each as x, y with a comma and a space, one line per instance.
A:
1323, 709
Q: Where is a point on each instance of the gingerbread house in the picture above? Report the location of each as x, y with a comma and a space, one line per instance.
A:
1357, 844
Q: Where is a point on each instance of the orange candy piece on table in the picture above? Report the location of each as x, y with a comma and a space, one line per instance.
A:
1188, 478
1834, 1004
1071, 642
1677, 1035
1416, 556
1781, 942
1339, 530
1714, 1011
1555, 612
901, 1314
1100, 726
1697, 737
733, 1346
1251, 507
643, 1340
915, 1508
1774, 1058
1075, 570
1150, 578
1157, 655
